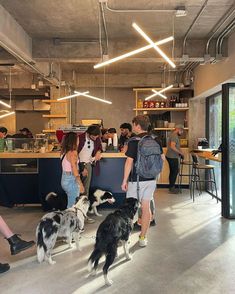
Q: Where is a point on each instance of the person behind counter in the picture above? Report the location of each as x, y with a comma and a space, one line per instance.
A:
104, 135
26, 132
126, 134
89, 152
3, 132
173, 154
70, 181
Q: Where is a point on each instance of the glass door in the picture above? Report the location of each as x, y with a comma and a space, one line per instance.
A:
228, 143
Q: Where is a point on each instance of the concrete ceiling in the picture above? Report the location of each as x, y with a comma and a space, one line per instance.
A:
79, 18
75, 25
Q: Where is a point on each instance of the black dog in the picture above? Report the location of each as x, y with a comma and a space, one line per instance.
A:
57, 201
116, 227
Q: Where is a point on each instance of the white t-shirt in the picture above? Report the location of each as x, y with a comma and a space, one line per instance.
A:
85, 154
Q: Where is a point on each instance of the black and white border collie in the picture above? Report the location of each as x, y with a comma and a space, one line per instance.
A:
116, 227
68, 223
99, 197
57, 201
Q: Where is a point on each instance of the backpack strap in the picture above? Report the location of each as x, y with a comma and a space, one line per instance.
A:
62, 158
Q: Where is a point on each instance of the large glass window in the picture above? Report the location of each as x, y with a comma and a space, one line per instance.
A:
231, 149
214, 132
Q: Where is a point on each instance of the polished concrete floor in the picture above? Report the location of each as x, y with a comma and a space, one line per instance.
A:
190, 250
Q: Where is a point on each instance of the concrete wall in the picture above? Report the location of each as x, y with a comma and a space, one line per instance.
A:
209, 76
121, 110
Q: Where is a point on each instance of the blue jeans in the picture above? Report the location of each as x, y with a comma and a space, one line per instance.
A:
71, 188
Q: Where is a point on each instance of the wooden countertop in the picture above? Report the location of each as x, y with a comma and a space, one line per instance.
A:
206, 154
51, 155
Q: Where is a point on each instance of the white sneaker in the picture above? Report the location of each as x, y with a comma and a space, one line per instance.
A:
143, 241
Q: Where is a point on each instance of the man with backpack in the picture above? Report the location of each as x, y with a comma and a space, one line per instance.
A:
143, 164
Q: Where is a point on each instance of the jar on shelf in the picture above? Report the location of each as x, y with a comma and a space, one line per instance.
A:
140, 103
151, 104
162, 104
157, 104
145, 104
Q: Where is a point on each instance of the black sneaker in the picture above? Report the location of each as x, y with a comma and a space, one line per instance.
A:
4, 267
153, 223
136, 227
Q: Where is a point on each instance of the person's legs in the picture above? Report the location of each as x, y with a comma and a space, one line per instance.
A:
174, 169
146, 217
71, 188
4, 229
87, 180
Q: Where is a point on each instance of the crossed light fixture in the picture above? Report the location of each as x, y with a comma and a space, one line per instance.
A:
159, 93
143, 34
5, 104
131, 53
72, 96
93, 97
7, 114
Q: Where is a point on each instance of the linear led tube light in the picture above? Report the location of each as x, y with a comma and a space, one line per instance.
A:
159, 92
4, 115
131, 53
93, 97
72, 96
142, 33
5, 104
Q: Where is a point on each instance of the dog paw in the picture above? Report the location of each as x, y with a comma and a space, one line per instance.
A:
129, 257
52, 262
89, 266
108, 282
93, 273
98, 214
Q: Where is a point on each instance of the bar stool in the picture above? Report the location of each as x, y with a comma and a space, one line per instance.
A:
181, 174
196, 178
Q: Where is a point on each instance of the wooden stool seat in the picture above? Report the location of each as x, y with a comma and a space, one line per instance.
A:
203, 166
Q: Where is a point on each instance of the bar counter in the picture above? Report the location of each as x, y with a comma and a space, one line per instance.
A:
207, 155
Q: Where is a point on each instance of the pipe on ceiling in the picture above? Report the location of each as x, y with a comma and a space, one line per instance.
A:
17, 56
226, 32
221, 22
137, 10
193, 23
105, 28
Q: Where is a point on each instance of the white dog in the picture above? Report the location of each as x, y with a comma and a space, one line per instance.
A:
68, 223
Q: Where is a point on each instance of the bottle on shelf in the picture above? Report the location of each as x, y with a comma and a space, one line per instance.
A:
185, 123
140, 103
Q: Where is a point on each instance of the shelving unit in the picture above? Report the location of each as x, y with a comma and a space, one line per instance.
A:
167, 129
55, 115
162, 109
53, 101
49, 131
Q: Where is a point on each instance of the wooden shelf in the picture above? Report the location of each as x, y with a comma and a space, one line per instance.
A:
167, 129
48, 131
53, 101
175, 90
162, 109
55, 115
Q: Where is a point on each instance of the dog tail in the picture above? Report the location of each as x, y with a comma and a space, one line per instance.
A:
94, 259
50, 195
40, 244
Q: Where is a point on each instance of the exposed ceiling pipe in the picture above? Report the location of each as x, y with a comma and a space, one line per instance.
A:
218, 26
192, 24
17, 56
136, 10
231, 27
105, 49
221, 35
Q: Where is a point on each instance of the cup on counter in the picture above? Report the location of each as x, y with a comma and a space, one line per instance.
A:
43, 149
104, 146
199, 147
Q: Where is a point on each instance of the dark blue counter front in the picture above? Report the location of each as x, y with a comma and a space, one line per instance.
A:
32, 188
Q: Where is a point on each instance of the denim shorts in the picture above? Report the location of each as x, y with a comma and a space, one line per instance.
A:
71, 188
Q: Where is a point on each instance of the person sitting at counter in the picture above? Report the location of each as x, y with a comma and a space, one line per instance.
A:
26, 132
89, 152
3, 132
126, 134
70, 181
173, 154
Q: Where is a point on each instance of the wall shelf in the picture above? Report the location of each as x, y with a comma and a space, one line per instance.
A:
53, 101
48, 131
162, 109
175, 90
167, 129
55, 115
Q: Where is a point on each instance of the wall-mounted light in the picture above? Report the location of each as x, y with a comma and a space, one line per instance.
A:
73, 95
156, 93
93, 97
143, 34
5, 104
7, 114
131, 53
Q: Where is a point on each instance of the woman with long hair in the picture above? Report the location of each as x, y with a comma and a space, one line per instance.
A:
70, 181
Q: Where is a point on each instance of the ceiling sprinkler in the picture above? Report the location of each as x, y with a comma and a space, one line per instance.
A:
180, 11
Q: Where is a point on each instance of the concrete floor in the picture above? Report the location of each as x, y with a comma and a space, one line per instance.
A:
191, 250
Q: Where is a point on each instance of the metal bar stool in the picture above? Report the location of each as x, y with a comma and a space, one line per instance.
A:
181, 174
196, 179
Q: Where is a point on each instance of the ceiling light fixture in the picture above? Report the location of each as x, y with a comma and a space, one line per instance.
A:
7, 114
131, 53
158, 92
93, 97
142, 33
72, 96
5, 104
